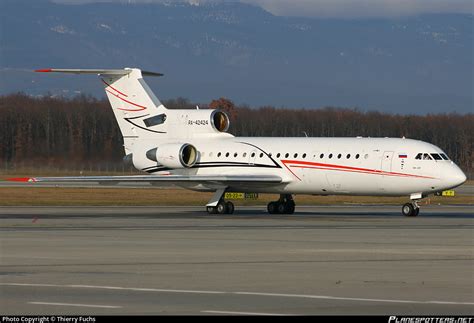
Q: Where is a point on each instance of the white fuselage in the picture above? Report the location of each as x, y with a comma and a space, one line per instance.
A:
355, 166
191, 144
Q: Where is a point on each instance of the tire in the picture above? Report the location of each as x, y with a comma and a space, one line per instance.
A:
221, 208
417, 211
272, 208
408, 209
281, 208
230, 207
211, 209
290, 207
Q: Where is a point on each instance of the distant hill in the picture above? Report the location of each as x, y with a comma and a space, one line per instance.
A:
417, 64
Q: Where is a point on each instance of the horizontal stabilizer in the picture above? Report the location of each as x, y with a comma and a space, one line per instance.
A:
124, 71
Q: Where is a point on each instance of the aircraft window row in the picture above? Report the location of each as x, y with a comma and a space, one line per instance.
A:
304, 155
435, 156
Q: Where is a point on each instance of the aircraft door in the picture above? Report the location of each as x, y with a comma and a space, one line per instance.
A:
387, 161
315, 178
309, 175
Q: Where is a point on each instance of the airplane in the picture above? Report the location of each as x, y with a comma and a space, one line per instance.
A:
192, 149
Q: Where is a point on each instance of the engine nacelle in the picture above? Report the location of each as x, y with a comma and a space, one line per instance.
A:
174, 155
220, 120
191, 123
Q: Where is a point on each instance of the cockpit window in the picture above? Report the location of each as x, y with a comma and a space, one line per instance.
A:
436, 156
444, 156
419, 156
426, 157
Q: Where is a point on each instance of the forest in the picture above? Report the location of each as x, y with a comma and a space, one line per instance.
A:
81, 133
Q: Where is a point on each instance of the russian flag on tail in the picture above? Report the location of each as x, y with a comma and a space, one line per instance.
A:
400, 155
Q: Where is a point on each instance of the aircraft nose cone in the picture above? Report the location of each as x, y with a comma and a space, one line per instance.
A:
457, 177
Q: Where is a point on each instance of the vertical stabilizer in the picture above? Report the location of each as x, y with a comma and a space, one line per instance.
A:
139, 113
135, 106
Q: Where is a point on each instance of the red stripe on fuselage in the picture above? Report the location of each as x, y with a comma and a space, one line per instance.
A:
305, 164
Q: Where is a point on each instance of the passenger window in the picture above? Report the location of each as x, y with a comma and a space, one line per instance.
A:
286, 155
227, 154
348, 156
253, 155
366, 156
219, 154
330, 156
426, 157
321, 156
357, 156
436, 156
339, 156
304, 155
261, 155
235, 154
278, 155
419, 156
295, 155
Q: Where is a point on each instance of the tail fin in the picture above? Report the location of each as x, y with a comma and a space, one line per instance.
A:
138, 111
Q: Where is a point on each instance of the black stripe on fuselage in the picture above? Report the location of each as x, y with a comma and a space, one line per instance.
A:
136, 125
263, 151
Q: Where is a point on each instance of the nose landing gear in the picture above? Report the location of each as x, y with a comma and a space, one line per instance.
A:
410, 209
284, 205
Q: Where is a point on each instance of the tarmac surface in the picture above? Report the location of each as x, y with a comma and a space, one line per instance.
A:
180, 260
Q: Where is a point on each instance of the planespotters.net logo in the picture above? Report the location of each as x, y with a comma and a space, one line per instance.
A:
419, 319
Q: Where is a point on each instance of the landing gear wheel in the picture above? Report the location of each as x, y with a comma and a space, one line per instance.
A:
281, 208
272, 207
284, 205
409, 209
290, 207
230, 207
417, 211
221, 207
211, 209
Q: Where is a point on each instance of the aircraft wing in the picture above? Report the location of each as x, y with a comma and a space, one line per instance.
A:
212, 181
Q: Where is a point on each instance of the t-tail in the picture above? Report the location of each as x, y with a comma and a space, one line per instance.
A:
152, 134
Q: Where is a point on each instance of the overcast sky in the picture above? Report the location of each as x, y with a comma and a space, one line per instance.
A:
340, 8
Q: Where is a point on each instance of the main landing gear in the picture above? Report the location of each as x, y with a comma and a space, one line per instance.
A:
410, 209
218, 205
284, 205
223, 207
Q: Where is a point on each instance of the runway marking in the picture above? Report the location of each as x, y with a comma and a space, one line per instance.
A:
137, 289
244, 313
356, 299
144, 289
76, 305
